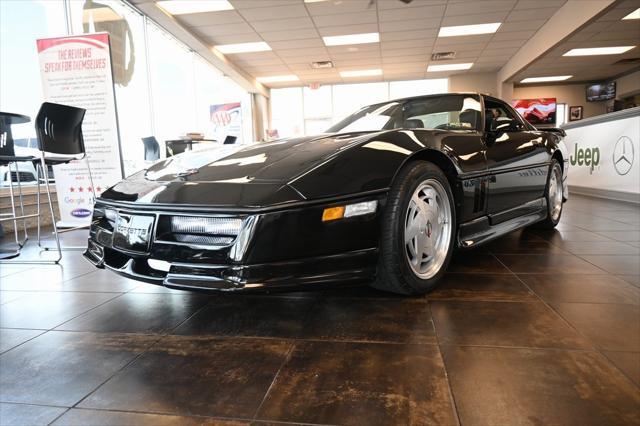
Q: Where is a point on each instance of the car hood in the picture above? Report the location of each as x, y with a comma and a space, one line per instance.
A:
250, 176
278, 161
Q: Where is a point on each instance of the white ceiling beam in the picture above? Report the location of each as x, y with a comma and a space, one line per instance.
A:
568, 19
217, 59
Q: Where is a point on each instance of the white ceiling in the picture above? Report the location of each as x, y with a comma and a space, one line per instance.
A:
606, 30
408, 35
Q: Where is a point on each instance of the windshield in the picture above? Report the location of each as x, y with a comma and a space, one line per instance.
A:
447, 112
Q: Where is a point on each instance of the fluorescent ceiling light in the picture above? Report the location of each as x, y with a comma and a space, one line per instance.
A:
465, 30
360, 73
633, 15
592, 51
449, 67
545, 79
277, 78
259, 46
182, 7
351, 39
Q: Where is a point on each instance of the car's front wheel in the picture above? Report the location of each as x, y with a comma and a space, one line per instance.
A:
554, 195
418, 230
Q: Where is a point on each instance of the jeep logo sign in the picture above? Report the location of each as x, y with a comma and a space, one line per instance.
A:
589, 157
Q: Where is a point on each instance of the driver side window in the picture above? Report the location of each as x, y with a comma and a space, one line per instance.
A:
499, 117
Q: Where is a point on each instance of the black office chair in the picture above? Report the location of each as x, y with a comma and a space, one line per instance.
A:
60, 141
151, 148
8, 158
229, 140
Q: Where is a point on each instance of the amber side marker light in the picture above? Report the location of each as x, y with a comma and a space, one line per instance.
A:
351, 210
333, 213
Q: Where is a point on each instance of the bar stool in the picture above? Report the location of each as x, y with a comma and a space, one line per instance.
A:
60, 141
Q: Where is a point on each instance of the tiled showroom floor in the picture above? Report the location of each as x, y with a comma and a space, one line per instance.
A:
537, 328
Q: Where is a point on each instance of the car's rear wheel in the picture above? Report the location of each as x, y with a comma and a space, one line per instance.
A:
418, 230
554, 193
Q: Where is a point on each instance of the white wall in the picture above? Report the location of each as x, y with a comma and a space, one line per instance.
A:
628, 85
570, 94
479, 82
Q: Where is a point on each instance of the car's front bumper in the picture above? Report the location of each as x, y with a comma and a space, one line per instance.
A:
284, 248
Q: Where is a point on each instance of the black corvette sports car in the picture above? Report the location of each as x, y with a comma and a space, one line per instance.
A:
384, 196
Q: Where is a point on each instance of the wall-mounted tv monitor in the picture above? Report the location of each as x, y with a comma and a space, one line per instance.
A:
537, 111
601, 91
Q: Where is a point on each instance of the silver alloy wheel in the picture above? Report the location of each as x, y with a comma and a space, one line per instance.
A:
427, 229
555, 193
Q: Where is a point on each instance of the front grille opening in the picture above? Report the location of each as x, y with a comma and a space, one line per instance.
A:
211, 231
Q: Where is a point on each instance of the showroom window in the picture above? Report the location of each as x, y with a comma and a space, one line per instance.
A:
162, 87
297, 111
20, 85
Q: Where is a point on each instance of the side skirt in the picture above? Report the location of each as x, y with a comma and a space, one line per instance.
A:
480, 231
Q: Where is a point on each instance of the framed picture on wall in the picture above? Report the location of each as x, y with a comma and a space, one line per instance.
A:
575, 113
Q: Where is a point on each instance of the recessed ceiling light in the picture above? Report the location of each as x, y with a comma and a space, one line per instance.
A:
182, 7
633, 15
277, 78
449, 67
592, 51
545, 79
259, 46
351, 39
360, 73
465, 30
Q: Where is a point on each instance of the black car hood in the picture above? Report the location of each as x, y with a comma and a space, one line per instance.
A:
250, 176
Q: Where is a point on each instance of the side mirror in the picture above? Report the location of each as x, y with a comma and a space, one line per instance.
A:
503, 124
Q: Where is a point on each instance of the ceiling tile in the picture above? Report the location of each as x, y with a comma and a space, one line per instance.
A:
333, 7
402, 14
277, 12
231, 39
430, 33
529, 14
498, 16
249, 4
408, 25
368, 17
210, 18
224, 30
479, 7
282, 24
522, 26
297, 44
289, 34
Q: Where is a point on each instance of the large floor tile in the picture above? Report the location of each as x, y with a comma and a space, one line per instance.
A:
40, 278
139, 313
61, 368
189, 375
100, 281
600, 247
49, 309
550, 263
471, 262
241, 315
627, 362
500, 386
361, 384
626, 236
518, 324
623, 265
398, 321
608, 326
505, 287
558, 236
28, 415
582, 288
12, 337
82, 417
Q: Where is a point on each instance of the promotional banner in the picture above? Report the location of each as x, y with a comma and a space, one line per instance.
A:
227, 121
604, 154
76, 71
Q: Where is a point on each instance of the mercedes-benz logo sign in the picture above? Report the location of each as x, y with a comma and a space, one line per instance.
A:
623, 155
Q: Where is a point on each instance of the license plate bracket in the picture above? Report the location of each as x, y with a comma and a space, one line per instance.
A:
133, 232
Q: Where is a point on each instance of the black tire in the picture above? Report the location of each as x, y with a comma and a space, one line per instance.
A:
394, 273
550, 222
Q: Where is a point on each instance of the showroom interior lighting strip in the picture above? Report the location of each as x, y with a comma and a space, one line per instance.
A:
633, 15
546, 79
593, 51
277, 78
361, 73
259, 46
449, 67
184, 7
466, 30
342, 40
